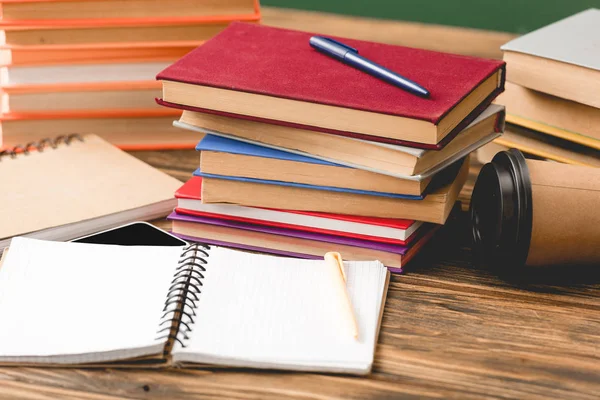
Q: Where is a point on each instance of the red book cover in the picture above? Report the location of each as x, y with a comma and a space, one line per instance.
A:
193, 187
280, 63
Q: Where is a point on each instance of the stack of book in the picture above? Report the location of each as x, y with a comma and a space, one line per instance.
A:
551, 98
89, 65
304, 154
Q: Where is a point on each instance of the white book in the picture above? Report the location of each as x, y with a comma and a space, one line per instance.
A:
24, 75
561, 59
89, 304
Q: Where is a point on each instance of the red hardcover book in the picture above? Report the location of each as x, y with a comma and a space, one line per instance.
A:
273, 75
386, 230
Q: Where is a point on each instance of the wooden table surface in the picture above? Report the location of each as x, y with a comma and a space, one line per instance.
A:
450, 329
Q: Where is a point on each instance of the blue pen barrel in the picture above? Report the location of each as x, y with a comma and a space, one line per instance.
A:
330, 48
350, 56
384, 74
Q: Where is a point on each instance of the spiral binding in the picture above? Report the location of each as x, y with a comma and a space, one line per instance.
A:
179, 311
40, 145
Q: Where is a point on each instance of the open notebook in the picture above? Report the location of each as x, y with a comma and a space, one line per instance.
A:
74, 185
88, 304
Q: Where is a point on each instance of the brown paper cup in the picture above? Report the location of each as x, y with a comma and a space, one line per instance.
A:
535, 213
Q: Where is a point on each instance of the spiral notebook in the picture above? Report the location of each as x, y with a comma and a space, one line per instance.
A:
74, 185
66, 304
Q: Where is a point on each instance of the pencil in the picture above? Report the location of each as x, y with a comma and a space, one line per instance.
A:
336, 266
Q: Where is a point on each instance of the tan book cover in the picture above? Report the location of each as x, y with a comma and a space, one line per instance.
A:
552, 115
550, 148
80, 186
435, 206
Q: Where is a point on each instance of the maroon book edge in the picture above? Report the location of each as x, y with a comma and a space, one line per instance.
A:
447, 139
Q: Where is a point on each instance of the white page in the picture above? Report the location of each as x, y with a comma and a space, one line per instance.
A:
272, 312
82, 303
81, 73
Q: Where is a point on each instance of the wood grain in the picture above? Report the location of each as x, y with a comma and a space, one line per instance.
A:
450, 329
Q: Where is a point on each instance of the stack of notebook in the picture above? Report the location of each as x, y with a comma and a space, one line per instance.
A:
552, 91
89, 65
304, 154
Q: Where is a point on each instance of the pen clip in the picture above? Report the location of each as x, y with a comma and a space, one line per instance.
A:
345, 46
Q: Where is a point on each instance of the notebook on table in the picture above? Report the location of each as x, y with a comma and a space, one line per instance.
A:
77, 185
174, 306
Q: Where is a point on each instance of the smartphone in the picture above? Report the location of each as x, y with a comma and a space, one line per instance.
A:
133, 234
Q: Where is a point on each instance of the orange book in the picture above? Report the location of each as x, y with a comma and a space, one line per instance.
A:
149, 129
105, 52
83, 97
109, 31
90, 12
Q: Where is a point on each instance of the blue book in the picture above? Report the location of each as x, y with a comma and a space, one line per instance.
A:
225, 145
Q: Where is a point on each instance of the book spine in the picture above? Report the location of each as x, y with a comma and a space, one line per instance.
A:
179, 315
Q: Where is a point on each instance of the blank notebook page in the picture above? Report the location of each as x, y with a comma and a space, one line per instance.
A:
82, 303
271, 312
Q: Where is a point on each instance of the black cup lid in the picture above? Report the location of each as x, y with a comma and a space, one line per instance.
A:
501, 211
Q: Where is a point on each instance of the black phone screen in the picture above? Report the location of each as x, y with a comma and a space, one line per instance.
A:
136, 234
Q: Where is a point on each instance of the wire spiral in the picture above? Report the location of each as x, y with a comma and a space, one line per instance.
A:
179, 311
39, 145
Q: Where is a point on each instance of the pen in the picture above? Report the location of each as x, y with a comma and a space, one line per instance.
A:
335, 265
350, 56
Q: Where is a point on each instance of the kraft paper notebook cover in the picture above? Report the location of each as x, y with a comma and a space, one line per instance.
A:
75, 186
561, 59
386, 230
173, 306
235, 83
115, 12
221, 156
302, 244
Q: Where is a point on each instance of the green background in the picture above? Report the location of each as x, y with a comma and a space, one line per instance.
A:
517, 16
